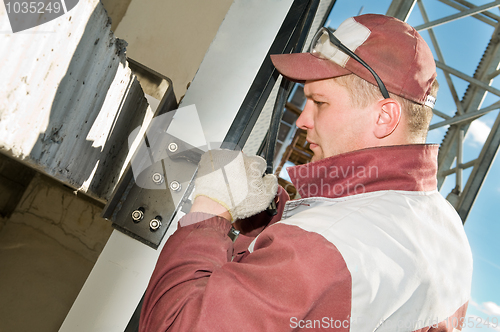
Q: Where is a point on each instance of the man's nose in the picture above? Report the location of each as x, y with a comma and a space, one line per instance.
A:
305, 120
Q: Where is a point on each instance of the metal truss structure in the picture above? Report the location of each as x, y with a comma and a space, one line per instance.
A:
469, 107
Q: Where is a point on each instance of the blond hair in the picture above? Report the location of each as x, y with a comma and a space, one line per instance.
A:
362, 93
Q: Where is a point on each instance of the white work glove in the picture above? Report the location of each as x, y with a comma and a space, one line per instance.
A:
235, 181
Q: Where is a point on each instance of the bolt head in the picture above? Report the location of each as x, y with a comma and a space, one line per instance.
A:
158, 178
172, 147
175, 186
137, 215
154, 224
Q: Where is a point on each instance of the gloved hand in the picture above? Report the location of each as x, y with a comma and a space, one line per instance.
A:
235, 181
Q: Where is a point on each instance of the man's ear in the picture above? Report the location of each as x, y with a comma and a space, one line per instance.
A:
388, 117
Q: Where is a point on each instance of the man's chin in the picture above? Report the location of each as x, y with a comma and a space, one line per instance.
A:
317, 152
316, 157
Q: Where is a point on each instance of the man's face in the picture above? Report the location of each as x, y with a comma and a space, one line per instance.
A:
333, 125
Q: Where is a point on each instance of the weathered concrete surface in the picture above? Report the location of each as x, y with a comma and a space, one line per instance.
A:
14, 179
171, 36
3, 221
47, 249
40, 279
68, 99
116, 10
72, 220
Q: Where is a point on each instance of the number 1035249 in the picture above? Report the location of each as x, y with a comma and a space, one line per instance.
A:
474, 322
33, 7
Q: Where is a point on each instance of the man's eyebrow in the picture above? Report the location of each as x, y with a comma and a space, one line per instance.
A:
314, 95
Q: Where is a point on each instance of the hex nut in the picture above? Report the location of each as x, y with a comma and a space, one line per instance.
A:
158, 178
172, 147
175, 186
138, 215
155, 223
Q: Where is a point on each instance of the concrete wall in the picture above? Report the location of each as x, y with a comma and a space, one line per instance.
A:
170, 36
71, 219
47, 249
116, 10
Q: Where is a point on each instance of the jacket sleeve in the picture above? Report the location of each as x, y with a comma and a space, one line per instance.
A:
197, 287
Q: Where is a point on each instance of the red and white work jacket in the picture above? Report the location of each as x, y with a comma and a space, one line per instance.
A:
370, 246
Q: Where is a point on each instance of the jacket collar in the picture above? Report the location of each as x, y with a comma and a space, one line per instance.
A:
400, 167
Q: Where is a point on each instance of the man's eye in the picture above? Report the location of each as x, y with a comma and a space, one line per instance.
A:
318, 103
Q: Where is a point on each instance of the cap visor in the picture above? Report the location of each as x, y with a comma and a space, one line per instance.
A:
301, 67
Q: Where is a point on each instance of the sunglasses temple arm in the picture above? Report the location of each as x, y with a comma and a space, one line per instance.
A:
346, 50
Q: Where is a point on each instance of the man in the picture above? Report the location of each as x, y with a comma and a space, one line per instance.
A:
371, 245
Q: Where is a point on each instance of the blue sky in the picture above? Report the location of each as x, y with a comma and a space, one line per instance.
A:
462, 43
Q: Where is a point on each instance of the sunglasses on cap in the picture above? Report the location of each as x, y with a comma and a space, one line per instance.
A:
324, 36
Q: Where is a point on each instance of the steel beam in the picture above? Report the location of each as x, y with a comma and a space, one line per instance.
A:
485, 17
472, 101
468, 117
441, 114
401, 9
479, 172
467, 78
465, 13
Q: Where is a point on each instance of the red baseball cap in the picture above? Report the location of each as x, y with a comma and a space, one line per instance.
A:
392, 48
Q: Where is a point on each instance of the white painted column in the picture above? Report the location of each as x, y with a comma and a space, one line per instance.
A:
120, 276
